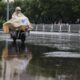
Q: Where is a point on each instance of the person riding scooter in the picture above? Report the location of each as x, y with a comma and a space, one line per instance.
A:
17, 25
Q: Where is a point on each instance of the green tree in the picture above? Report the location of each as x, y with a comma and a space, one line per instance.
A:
45, 11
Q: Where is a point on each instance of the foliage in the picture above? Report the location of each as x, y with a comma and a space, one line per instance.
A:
46, 11
1, 21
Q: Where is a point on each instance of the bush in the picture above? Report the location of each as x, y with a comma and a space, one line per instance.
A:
1, 22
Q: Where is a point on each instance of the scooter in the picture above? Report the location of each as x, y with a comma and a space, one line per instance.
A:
17, 28
18, 33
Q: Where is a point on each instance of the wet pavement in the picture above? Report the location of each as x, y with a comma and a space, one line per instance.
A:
37, 62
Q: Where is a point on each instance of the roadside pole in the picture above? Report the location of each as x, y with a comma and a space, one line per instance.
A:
7, 18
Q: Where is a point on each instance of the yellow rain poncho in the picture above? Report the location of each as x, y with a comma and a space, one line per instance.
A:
17, 21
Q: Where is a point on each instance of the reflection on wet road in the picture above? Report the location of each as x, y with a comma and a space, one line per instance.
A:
28, 62
15, 59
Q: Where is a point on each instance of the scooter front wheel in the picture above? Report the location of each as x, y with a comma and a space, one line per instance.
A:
14, 39
23, 38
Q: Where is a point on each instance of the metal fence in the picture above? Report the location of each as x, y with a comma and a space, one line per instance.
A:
68, 28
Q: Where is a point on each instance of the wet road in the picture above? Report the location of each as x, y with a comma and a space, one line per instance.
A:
61, 40
44, 56
32, 62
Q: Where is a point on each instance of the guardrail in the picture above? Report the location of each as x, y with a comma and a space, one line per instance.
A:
68, 28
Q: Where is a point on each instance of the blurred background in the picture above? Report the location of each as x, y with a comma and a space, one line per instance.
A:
44, 11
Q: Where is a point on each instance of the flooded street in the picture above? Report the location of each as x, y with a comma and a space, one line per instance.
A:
33, 62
